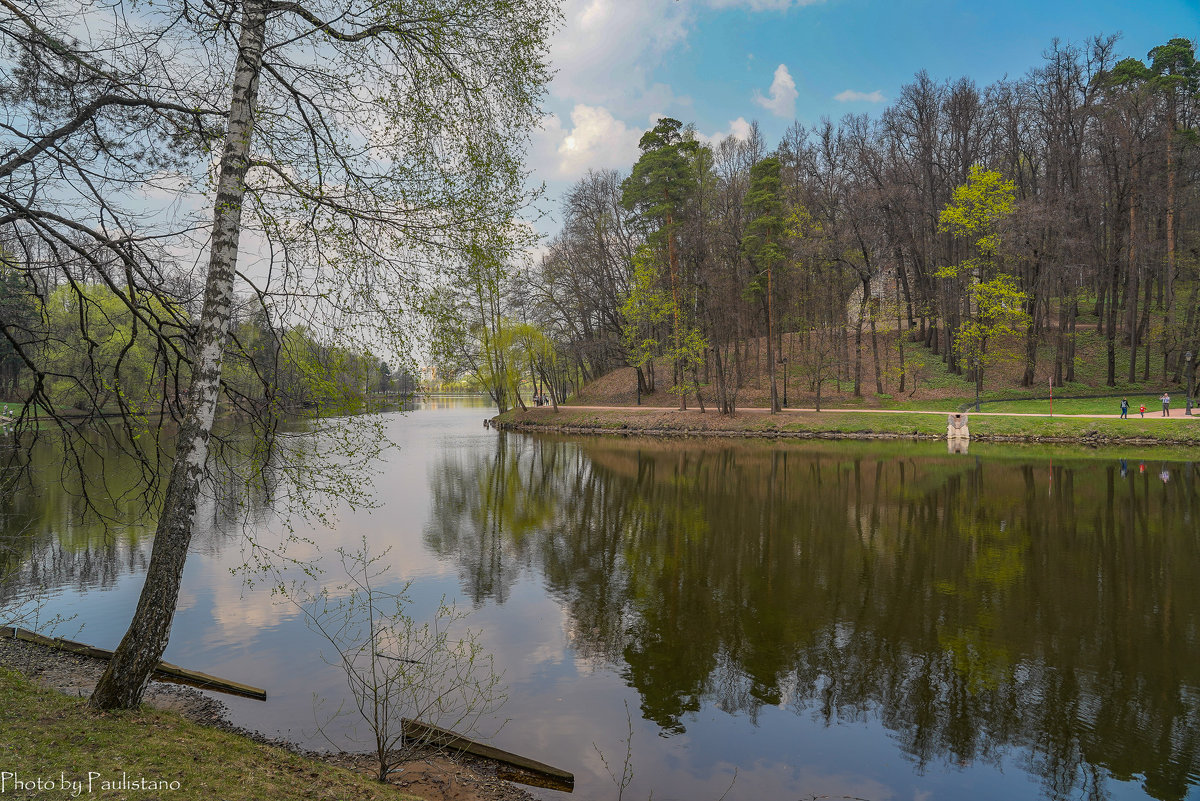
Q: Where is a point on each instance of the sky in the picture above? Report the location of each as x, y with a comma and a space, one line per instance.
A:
621, 64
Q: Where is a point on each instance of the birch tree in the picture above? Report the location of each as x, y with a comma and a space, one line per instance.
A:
348, 148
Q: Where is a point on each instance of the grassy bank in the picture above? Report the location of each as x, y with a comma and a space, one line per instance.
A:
854, 425
1090, 406
48, 736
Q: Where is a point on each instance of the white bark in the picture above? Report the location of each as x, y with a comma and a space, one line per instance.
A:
128, 672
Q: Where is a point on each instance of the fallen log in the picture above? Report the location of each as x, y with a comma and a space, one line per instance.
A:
165, 670
540, 774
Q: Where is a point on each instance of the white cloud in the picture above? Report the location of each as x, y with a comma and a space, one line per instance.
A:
851, 96
595, 140
607, 50
781, 99
738, 129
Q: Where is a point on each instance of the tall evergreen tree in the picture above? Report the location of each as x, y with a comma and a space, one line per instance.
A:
1176, 74
763, 246
660, 186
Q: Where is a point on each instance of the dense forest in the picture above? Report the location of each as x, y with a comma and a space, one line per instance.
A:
1045, 223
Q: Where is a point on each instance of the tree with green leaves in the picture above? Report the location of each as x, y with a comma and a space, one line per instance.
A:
974, 213
473, 332
763, 245
645, 310
95, 355
998, 315
993, 301
660, 186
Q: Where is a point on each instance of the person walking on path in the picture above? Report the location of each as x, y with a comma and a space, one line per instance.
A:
1142, 410
1166, 399
1124, 408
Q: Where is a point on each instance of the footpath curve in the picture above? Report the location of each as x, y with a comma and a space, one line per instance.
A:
1175, 413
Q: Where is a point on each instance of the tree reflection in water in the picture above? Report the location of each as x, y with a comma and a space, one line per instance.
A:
85, 525
979, 608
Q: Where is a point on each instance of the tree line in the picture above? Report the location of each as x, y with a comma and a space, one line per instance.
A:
80, 351
1010, 222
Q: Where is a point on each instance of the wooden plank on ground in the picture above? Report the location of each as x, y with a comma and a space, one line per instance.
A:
165, 670
549, 776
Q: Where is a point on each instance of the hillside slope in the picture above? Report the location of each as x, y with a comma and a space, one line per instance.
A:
927, 383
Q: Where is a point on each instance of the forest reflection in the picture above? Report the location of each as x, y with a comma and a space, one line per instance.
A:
979, 607
83, 520
78, 508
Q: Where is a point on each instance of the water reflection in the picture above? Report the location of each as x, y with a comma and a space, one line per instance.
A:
79, 516
979, 608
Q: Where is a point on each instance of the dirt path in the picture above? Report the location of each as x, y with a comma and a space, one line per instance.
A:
1175, 414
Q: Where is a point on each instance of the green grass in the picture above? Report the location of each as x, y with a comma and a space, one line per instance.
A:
1178, 430
47, 734
1064, 428
944, 405
1088, 406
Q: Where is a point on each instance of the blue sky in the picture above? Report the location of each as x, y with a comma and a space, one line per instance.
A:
723, 63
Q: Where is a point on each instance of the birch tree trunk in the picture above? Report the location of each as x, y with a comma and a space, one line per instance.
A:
124, 681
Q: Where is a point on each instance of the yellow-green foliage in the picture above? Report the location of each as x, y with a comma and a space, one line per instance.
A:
302, 369
332, 377
973, 212
998, 314
498, 367
98, 353
645, 309
532, 350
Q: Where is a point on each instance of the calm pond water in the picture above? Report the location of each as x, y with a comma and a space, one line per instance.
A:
879, 620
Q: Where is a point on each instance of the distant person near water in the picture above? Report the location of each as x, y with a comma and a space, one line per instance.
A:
1166, 399
1124, 408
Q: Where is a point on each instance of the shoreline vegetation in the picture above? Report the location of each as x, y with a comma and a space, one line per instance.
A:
54, 738
180, 744
1009, 427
